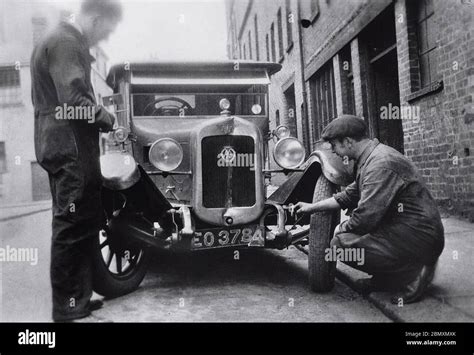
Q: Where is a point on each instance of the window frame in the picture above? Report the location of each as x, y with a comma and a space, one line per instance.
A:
289, 26
272, 42
281, 50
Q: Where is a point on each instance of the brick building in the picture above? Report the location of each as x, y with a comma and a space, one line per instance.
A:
405, 66
21, 25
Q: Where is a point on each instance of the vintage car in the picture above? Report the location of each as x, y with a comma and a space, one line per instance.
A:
187, 169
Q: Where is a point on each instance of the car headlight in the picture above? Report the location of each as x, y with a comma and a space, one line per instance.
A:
289, 153
282, 132
166, 154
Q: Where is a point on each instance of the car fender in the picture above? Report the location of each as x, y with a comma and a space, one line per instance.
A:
300, 184
337, 170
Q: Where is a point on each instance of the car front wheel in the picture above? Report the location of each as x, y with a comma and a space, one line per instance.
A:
119, 264
321, 272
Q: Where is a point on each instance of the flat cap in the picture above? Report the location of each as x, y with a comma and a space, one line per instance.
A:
344, 126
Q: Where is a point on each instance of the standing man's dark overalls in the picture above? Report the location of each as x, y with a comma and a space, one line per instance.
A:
68, 149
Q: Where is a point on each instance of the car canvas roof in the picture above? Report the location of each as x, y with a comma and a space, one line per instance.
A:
202, 73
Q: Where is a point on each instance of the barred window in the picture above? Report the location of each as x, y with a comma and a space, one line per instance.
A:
426, 34
10, 89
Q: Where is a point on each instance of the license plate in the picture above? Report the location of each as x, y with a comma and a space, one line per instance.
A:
223, 237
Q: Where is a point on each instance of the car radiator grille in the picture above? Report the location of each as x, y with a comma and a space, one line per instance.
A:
228, 186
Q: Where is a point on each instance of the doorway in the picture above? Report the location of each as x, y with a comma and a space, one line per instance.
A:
384, 96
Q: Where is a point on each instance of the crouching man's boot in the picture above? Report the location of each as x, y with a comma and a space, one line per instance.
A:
414, 291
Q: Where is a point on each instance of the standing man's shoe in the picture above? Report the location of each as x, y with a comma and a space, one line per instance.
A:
415, 290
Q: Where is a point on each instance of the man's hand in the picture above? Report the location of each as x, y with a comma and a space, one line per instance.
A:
304, 207
106, 121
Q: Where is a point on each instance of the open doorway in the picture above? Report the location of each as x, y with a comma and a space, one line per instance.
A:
381, 43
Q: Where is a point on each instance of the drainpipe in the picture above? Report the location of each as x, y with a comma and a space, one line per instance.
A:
303, 80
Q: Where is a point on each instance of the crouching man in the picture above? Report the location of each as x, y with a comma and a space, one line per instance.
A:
394, 217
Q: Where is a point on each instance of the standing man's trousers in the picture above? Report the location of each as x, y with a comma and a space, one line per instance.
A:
77, 219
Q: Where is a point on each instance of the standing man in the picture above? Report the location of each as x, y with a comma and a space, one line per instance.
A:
394, 219
67, 147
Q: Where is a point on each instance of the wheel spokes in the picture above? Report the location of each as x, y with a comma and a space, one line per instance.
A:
109, 251
110, 256
118, 261
104, 243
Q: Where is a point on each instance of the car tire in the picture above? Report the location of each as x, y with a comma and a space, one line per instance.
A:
321, 272
110, 284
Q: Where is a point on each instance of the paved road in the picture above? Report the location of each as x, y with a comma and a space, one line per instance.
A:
263, 285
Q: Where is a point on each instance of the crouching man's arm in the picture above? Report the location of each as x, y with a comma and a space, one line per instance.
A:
324, 205
343, 200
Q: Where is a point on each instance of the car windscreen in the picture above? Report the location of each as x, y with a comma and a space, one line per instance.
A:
197, 104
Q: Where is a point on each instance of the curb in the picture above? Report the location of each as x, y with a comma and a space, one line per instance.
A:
349, 279
25, 214
430, 307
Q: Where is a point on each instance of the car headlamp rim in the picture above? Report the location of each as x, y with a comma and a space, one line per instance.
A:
280, 129
157, 164
279, 161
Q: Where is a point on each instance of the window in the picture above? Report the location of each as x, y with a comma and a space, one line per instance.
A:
347, 80
10, 90
280, 35
250, 45
194, 104
426, 34
277, 118
272, 35
323, 96
289, 25
268, 47
257, 49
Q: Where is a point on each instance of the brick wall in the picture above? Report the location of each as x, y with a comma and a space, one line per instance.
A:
441, 143
266, 11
